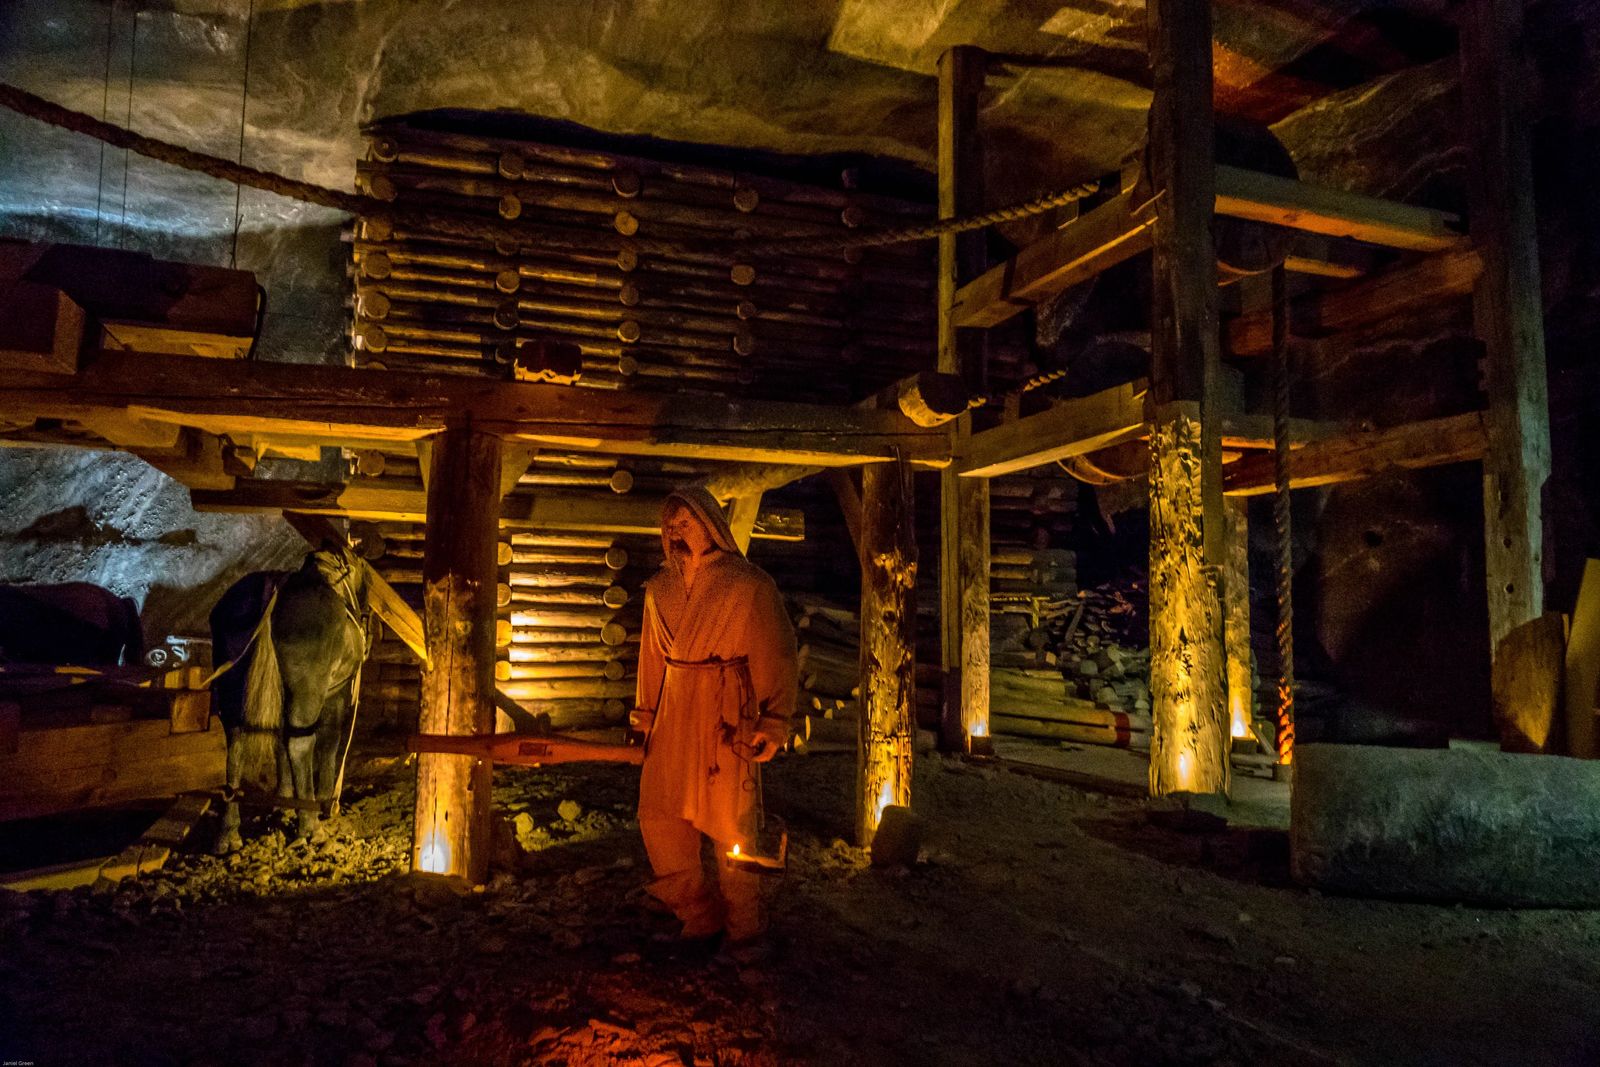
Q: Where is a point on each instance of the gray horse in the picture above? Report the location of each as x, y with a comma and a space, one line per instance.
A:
297, 642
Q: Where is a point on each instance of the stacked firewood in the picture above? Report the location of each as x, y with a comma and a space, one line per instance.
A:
829, 639
695, 312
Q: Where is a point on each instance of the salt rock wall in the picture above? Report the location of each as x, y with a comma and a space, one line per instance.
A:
69, 515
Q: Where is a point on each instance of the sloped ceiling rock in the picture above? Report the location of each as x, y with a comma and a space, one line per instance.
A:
811, 77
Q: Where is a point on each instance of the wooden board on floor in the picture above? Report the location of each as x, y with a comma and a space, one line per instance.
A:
1526, 685
1582, 688
87, 766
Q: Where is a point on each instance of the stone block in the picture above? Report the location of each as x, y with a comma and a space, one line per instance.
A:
898, 838
1460, 825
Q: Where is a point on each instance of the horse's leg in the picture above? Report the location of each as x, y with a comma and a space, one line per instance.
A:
332, 730
228, 839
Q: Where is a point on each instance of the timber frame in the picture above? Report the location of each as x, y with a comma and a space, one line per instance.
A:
204, 421
1497, 263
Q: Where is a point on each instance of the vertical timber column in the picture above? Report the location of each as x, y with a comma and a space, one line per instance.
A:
963, 502
459, 572
1189, 743
1236, 616
887, 721
1506, 311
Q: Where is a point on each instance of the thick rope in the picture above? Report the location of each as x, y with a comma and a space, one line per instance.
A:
927, 231
1281, 517
459, 225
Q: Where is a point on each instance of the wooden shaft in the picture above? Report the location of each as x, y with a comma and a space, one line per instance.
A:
1189, 750
887, 666
963, 503
1507, 309
451, 834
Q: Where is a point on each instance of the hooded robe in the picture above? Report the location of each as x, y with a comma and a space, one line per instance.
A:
712, 662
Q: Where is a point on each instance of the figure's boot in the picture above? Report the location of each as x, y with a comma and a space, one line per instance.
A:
692, 901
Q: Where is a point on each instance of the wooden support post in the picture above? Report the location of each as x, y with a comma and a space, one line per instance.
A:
742, 514
1236, 617
886, 724
1506, 310
963, 502
1189, 743
451, 832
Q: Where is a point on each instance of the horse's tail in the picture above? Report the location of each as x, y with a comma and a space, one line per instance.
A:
263, 704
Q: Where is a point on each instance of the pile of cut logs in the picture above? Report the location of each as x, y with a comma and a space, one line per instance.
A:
707, 315
829, 640
568, 633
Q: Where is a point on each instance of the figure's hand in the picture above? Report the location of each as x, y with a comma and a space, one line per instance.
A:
641, 719
770, 735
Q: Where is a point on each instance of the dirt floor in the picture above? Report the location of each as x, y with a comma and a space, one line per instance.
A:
1042, 925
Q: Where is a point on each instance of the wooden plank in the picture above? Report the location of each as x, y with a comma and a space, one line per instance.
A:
1507, 309
1120, 229
335, 405
1189, 743
191, 711
1248, 194
963, 503
154, 847
742, 518
887, 723
1070, 428
1364, 453
1525, 686
1236, 619
1383, 297
1581, 693
451, 829
1097, 240
88, 766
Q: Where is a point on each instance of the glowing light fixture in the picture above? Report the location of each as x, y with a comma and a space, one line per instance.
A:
434, 855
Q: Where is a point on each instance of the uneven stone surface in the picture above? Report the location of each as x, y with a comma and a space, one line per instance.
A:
1040, 925
70, 515
1447, 824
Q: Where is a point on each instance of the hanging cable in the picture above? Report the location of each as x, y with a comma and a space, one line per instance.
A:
244, 102
1281, 517
105, 110
133, 60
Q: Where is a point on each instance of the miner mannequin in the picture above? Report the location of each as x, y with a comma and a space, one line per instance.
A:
716, 691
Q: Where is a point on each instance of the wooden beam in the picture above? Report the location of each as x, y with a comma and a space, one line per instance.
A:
1506, 309
1362, 454
451, 830
927, 398
1382, 297
887, 719
1070, 428
1189, 746
1095, 241
1248, 194
742, 519
335, 405
963, 502
1236, 618
1120, 229
400, 617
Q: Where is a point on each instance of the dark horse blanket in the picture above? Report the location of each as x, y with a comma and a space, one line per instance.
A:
298, 641
69, 623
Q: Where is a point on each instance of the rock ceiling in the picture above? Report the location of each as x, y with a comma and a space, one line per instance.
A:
797, 77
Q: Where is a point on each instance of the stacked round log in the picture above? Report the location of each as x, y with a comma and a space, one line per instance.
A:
703, 316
